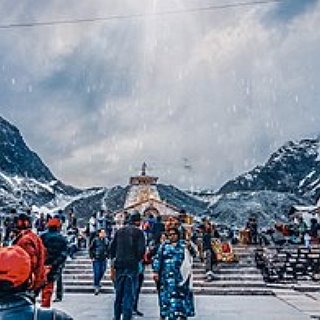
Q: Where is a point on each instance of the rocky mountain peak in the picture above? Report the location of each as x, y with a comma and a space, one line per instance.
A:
16, 158
293, 168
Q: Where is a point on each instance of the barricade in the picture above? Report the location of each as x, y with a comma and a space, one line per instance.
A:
288, 263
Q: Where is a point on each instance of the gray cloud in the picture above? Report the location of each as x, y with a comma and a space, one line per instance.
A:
289, 9
200, 97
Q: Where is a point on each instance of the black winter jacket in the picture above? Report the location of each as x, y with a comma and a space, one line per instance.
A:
128, 248
20, 307
57, 251
99, 249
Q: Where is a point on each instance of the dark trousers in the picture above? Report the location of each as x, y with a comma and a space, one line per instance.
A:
72, 250
208, 260
99, 268
91, 237
59, 289
138, 289
126, 288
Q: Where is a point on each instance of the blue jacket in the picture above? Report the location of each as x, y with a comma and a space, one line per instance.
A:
20, 307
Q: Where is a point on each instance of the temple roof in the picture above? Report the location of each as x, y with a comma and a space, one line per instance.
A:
143, 179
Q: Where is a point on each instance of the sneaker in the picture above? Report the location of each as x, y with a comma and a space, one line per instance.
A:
57, 300
137, 313
96, 291
209, 276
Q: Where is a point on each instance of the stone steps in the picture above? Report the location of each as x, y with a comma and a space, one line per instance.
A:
197, 290
242, 278
231, 274
200, 277
88, 267
150, 284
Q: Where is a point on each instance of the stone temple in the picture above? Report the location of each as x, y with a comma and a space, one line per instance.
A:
144, 196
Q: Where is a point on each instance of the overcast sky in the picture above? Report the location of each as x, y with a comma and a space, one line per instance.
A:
201, 97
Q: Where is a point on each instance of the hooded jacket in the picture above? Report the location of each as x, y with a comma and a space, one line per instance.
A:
20, 306
33, 245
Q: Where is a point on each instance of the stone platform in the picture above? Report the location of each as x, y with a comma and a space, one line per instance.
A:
285, 305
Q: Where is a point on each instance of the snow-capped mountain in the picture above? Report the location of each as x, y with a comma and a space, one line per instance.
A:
267, 206
293, 168
290, 176
181, 199
24, 178
16, 158
114, 199
88, 203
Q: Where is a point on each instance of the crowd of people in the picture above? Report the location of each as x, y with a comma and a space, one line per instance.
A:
30, 265
298, 231
40, 247
130, 242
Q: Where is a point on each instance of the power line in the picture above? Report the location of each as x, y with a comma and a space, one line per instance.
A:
137, 15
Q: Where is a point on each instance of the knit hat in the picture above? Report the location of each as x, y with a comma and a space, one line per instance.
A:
15, 266
54, 223
135, 216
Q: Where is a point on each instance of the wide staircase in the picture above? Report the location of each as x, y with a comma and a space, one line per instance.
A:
290, 264
241, 278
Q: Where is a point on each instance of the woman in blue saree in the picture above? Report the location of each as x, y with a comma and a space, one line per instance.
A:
172, 270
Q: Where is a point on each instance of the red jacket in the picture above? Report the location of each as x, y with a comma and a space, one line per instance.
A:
33, 245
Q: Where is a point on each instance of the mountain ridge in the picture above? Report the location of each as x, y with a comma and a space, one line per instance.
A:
290, 176
293, 168
20, 160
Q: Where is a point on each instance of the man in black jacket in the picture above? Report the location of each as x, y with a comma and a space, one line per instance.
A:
209, 232
127, 250
57, 252
99, 251
157, 230
15, 299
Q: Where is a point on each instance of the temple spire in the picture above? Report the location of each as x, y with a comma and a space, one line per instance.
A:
143, 169
143, 178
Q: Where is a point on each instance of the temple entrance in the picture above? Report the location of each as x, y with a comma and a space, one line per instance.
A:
151, 211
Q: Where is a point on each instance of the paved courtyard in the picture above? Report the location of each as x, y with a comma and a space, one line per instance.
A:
285, 306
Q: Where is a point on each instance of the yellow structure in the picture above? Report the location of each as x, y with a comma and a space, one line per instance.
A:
144, 196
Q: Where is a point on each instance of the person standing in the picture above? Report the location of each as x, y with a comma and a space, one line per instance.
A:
157, 229
127, 250
72, 241
314, 230
100, 220
99, 251
108, 225
209, 254
57, 252
15, 279
62, 217
172, 271
9, 225
302, 228
72, 220
40, 224
32, 244
92, 224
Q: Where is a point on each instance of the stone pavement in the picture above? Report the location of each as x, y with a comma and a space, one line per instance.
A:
286, 305
308, 302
